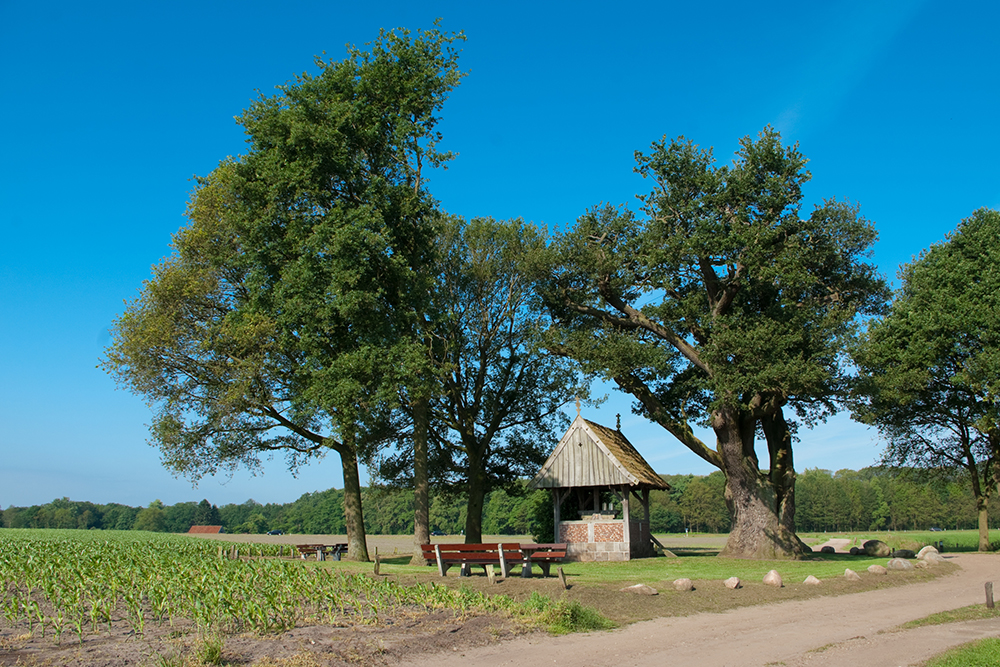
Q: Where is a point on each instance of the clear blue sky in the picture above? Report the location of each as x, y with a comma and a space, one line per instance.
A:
109, 108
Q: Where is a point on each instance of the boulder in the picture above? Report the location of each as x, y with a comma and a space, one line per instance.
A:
903, 553
772, 578
828, 550
876, 548
932, 558
732, 582
927, 550
877, 569
812, 581
851, 575
856, 551
899, 564
921, 564
640, 589
683, 584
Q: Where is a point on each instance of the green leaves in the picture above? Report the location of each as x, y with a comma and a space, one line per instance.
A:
928, 370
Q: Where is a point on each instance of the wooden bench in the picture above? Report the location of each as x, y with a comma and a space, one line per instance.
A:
321, 550
467, 555
543, 555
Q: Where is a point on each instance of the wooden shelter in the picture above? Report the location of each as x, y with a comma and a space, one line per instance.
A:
590, 460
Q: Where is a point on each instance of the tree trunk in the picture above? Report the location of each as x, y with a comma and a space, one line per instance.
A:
477, 495
779, 446
984, 523
357, 543
421, 483
757, 530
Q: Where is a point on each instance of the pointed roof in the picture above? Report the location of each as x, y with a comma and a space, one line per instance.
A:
594, 455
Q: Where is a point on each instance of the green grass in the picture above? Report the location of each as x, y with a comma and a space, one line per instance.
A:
954, 540
982, 653
971, 613
647, 570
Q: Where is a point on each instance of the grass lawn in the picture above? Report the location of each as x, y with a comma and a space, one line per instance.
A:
599, 585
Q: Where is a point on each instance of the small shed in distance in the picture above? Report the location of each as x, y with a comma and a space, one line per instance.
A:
206, 530
590, 460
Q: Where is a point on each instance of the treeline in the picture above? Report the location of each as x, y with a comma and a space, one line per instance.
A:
846, 500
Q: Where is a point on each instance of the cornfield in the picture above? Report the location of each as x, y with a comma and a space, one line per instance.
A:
77, 583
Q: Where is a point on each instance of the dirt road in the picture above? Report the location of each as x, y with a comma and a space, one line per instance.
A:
836, 631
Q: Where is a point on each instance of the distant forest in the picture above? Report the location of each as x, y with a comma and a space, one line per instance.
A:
847, 500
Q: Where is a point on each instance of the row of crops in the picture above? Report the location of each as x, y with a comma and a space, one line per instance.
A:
79, 583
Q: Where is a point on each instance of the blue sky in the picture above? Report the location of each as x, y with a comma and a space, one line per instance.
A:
109, 108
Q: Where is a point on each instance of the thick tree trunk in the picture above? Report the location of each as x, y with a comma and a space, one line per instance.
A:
782, 473
421, 483
984, 524
357, 544
757, 530
477, 495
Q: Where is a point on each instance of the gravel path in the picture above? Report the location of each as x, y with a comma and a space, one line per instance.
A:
838, 631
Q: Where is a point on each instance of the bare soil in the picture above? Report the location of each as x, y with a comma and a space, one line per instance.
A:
830, 624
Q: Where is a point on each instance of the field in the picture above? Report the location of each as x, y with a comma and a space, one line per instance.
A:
146, 598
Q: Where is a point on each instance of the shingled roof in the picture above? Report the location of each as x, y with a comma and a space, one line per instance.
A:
594, 455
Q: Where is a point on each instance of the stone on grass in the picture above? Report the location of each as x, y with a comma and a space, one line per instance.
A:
899, 564
683, 584
876, 548
877, 569
732, 582
927, 550
903, 553
772, 578
828, 550
855, 551
921, 564
851, 575
932, 558
640, 589
812, 581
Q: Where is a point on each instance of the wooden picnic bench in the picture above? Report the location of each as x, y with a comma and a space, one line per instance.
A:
321, 550
466, 555
543, 555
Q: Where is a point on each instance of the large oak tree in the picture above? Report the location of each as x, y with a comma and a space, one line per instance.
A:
929, 371
721, 305
286, 319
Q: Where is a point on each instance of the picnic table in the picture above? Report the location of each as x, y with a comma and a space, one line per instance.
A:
321, 550
506, 555
541, 554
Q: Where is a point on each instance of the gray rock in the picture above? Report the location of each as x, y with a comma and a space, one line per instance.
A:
899, 564
927, 550
828, 550
732, 582
903, 553
876, 548
683, 584
921, 564
877, 569
851, 575
932, 558
812, 581
640, 589
772, 578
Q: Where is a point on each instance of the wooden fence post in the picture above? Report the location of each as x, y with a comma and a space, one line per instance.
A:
989, 595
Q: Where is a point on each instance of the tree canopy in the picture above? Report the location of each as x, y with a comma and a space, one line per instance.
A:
283, 320
720, 305
929, 371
